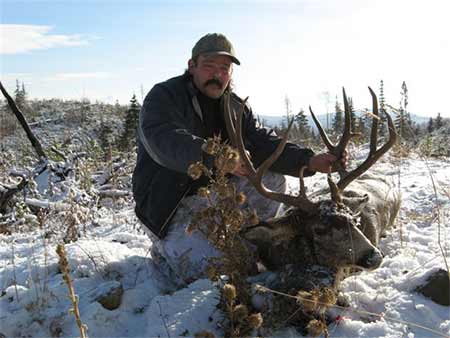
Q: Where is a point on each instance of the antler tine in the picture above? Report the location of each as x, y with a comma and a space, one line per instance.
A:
322, 132
374, 130
374, 154
255, 176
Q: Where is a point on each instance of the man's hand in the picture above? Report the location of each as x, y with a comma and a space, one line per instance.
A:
241, 170
326, 163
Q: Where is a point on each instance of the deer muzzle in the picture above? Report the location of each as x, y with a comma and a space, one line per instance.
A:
371, 259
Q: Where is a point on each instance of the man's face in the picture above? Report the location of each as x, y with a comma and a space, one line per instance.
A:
211, 74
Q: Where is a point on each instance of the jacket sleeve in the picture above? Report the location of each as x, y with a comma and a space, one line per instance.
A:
262, 142
164, 134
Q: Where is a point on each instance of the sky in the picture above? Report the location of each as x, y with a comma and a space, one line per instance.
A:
107, 50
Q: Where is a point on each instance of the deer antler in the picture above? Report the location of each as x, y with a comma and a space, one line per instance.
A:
374, 154
337, 150
234, 128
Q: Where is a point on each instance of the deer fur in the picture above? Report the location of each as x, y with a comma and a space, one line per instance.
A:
340, 235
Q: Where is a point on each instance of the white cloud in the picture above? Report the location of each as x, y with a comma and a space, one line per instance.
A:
78, 76
18, 39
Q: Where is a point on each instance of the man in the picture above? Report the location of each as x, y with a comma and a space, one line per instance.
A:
176, 118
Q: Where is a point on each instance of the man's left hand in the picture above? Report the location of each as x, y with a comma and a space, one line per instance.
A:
326, 162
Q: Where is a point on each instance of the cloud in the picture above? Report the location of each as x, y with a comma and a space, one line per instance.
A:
78, 76
18, 39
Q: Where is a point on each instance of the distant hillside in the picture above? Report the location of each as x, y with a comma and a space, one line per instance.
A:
273, 121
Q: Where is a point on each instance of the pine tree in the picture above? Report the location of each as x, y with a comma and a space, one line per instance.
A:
439, 123
128, 138
352, 114
302, 124
362, 127
430, 126
338, 120
403, 121
24, 92
105, 136
20, 95
382, 126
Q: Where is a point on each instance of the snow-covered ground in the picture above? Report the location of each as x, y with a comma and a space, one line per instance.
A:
114, 251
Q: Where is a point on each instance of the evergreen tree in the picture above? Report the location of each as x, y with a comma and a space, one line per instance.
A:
128, 138
403, 121
302, 124
24, 92
439, 121
338, 121
352, 114
20, 95
362, 127
430, 126
382, 126
105, 136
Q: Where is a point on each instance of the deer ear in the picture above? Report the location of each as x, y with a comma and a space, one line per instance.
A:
356, 203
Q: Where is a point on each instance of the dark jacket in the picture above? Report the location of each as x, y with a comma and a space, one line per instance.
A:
170, 136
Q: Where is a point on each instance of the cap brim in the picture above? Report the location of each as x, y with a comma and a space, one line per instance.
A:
233, 58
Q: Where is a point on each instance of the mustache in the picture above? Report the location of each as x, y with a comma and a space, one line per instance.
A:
214, 81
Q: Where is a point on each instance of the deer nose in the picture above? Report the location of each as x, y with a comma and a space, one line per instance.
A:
371, 260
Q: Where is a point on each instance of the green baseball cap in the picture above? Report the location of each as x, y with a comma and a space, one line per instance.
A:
214, 44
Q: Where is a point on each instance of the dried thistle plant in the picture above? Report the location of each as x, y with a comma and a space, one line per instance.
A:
221, 222
64, 266
240, 322
204, 334
317, 302
74, 216
316, 328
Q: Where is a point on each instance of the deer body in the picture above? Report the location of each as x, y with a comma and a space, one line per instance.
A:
338, 236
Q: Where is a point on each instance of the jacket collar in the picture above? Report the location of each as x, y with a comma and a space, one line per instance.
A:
193, 94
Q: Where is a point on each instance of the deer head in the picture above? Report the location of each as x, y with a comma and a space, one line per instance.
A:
326, 230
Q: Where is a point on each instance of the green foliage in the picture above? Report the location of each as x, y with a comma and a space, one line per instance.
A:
128, 138
303, 128
338, 120
403, 122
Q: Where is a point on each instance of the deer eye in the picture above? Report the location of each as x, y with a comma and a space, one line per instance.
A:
319, 231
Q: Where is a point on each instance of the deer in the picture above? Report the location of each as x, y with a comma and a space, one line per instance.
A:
340, 231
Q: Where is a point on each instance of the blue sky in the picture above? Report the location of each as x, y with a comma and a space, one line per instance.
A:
306, 50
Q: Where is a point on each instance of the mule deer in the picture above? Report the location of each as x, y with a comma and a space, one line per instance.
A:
339, 232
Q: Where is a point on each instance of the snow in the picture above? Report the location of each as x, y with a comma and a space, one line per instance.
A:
114, 251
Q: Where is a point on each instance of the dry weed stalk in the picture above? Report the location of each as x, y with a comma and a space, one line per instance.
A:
204, 334
75, 216
64, 266
221, 222
381, 316
241, 323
